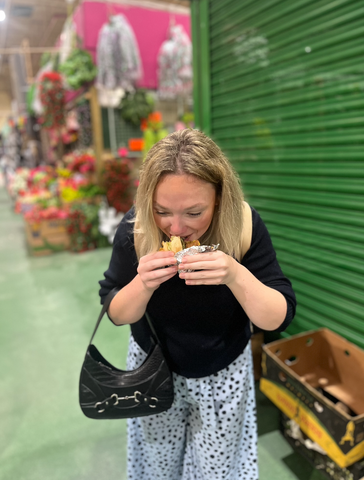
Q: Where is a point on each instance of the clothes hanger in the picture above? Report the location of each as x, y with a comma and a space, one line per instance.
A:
109, 11
172, 22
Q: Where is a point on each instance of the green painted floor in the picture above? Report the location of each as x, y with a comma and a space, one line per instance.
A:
48, 308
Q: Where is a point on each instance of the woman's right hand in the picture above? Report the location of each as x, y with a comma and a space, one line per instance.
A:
157, 268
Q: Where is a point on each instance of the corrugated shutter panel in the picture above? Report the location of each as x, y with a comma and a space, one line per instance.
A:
287, 107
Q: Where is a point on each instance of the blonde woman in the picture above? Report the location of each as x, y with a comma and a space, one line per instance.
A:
202, 318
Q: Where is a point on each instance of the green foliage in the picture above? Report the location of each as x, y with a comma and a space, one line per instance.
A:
45, 58
188, 119
30, 99
52, 58
154, 131
153, 136
78, 68
136, 106
83, 228
91, 190
45, 203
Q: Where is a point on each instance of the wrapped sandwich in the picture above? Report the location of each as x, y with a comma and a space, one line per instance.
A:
180, 248
177, 244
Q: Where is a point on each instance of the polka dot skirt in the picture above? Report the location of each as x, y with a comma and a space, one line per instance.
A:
210, 432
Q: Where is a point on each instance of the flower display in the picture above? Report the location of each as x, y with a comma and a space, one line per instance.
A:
64, 172
46, 193
82, 163
123, 152
136, 105
39, 214
117, 183
19, 181
79, 68
153, 130
69, 188
109, 219
78, 188
69, 194
42, 177
52, 97
31, 197
83, 228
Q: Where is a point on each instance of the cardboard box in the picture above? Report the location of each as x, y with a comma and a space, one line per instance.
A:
311, 378
46, 237
303, 446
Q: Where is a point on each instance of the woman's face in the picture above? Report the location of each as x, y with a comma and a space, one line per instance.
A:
183, 206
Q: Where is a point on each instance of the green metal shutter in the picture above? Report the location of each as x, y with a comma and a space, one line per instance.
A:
286, 104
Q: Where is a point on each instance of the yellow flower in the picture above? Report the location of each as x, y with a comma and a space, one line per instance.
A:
70, 195
64, 172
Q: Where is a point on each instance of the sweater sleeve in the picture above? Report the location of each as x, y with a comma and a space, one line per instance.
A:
261, 261
123, 264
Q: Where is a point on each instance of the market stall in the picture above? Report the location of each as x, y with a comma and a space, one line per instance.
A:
120, 80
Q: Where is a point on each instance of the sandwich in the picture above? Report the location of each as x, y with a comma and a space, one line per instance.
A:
177, 244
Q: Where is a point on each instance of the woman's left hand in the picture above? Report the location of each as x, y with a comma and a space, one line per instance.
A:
213, 268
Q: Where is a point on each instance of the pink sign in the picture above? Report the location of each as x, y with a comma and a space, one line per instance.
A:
150, 27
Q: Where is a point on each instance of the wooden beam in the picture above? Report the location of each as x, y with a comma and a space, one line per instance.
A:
96, 121
11, 50
27, 61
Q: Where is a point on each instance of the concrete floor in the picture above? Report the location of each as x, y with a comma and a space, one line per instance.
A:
48, 308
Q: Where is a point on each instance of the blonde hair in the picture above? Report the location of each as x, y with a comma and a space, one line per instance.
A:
190, 152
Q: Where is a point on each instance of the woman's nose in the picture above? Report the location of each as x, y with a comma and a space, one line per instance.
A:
177, 228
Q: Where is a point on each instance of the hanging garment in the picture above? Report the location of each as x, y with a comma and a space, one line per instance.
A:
175, 65
130, 68
118, 61
68, 40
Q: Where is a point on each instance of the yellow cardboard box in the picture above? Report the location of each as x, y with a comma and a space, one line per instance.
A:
316, 378
46, 237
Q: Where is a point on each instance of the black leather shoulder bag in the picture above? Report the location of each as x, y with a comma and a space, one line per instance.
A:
105, 392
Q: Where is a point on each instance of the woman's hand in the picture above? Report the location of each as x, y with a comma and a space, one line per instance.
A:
157, 268
213, 268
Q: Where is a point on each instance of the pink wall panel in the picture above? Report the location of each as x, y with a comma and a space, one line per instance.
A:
150, 27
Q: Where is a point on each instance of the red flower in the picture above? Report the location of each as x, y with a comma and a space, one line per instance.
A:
123, 152
117, 184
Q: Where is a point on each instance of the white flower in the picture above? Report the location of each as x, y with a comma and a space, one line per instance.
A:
109, 220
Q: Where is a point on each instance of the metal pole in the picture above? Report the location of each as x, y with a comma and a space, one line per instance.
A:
112, 130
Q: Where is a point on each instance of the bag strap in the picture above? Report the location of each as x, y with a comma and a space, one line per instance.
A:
104, 309
247, 227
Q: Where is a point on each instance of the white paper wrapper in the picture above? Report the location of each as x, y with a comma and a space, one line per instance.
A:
194, 251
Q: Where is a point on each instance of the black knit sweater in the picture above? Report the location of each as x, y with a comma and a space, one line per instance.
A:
202, 328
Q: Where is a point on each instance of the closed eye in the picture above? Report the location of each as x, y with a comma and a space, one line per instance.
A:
164, 214
161, 213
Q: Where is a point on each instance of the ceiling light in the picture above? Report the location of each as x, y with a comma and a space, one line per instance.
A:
2, 15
